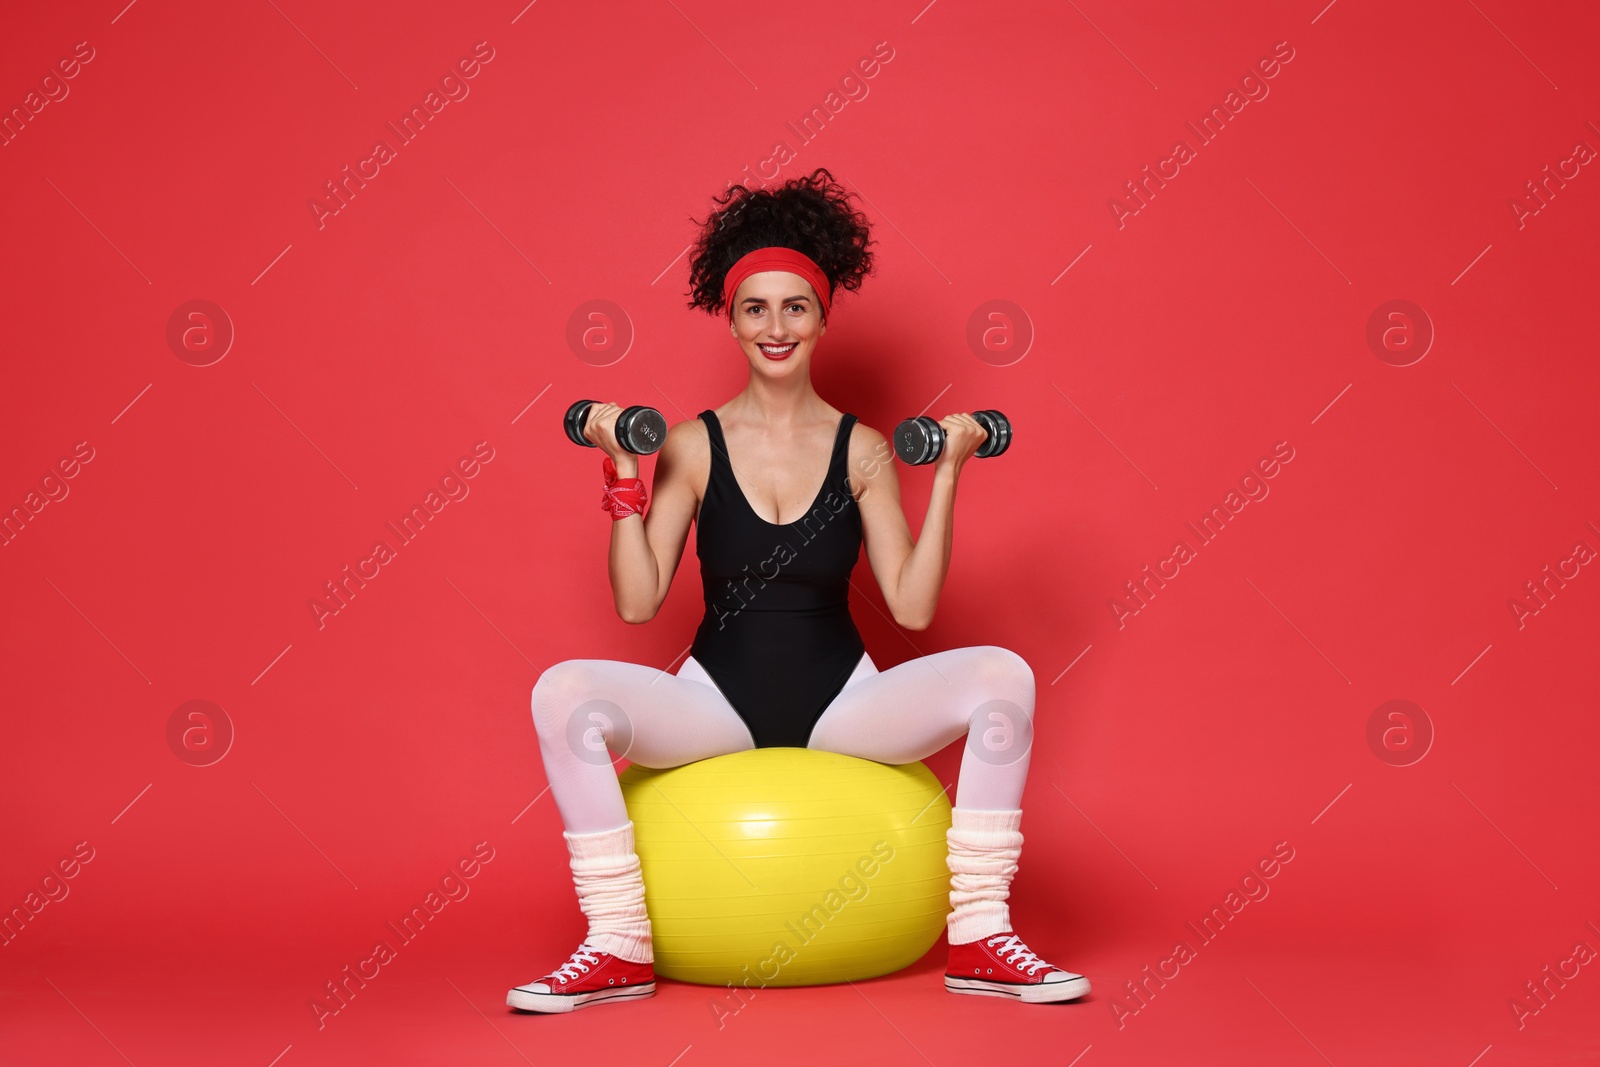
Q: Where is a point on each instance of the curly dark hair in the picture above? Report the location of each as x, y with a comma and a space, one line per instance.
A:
810, 214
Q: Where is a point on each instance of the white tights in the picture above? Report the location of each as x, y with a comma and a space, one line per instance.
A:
582, 707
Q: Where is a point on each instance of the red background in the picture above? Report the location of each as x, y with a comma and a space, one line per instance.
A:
1228, 314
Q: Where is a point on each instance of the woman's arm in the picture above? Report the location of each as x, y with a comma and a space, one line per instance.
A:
645, 554
911, 575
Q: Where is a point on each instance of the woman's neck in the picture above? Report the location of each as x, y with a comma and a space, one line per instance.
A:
780, 405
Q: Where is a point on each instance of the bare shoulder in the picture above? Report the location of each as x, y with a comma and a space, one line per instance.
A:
869, 451
865, 441
688, 446
687, 437
685, 456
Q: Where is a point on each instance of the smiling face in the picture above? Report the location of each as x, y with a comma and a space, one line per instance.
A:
776, 320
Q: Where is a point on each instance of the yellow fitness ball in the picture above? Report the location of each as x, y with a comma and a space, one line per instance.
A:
789, 866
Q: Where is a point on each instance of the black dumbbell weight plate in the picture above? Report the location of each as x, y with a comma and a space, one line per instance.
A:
999, 430
919, 440
574, 423
641, 430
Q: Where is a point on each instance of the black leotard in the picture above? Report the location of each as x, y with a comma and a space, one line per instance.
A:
777, 637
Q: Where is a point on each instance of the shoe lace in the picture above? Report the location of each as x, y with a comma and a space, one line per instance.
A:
574, 966
1016, 953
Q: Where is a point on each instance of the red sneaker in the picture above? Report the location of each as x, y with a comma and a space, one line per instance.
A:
589, 976
1002, 966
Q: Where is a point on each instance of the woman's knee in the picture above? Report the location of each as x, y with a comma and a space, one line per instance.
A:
1005, 673
1000, 730
561, 688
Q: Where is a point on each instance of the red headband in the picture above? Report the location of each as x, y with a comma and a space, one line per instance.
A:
775, 257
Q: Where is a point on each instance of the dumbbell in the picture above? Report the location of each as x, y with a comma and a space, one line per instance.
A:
921, 440
640, 430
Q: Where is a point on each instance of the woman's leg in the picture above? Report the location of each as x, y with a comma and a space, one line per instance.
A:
582, 707
915, 708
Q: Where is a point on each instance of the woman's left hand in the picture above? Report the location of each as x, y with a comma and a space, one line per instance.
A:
962, 437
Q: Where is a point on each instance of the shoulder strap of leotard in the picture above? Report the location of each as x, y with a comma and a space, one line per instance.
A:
840, 460
841, 444
719, 444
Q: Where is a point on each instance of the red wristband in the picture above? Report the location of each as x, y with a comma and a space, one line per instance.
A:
621, 497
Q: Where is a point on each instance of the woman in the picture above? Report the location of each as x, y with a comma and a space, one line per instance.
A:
777, 659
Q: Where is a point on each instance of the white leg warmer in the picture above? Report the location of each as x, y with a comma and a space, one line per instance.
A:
984, 849
611, 892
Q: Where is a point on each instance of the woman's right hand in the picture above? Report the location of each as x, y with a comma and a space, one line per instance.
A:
600, 428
